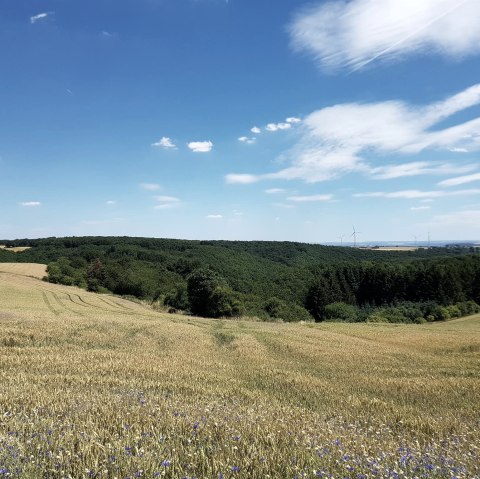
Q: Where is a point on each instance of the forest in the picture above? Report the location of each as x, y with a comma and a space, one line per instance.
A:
268, 280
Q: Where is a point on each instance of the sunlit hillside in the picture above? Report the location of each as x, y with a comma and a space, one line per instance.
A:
97, 386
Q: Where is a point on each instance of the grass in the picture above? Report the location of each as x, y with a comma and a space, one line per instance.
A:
96, 386
24, 269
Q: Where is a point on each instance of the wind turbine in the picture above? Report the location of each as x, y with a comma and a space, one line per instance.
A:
415, 238
354, 234
341, 239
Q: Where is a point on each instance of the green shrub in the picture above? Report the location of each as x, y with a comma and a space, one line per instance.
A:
340, 312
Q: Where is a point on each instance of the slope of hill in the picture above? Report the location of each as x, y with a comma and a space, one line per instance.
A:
261, 275
97, 386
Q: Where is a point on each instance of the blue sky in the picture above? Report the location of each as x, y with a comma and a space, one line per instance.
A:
240, 119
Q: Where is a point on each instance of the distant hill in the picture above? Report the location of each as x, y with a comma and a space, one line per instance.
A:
255, 271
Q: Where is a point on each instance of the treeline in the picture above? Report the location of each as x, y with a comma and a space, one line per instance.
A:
271, 280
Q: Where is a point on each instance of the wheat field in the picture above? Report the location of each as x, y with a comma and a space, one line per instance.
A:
94, 386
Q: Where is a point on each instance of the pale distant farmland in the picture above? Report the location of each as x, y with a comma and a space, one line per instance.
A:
16, 249
97, 386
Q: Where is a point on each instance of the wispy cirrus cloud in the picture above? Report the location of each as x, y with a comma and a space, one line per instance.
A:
200, 146
30, 204
40, 16
274, 191
420, 208
416, 168
352, 137
167, 202
416, 194
356, 33
150, 186
214, 217
166, 143
310, 198
460, 180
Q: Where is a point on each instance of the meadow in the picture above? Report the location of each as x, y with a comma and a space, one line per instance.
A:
95, 386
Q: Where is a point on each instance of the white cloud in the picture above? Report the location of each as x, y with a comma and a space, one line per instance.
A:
167, 202
165, 143
309, 198
214, 217
415, 194
278, 126
284, 205
241, 179
166, 206
461, 180
458, 150
419, 208
167, 199
256, 130
247, 140
30, 204
293, 119
40, 16
388, 172
200, 146
111, 202
338, 140
274, 191
355, 33
149, 186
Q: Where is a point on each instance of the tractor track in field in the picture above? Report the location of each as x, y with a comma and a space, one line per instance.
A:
49, 304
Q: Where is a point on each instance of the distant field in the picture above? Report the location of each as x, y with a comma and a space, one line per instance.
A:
395, 248
17, 249
25, 269
96, 386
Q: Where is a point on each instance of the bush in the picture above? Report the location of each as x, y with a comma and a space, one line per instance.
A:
178, 299
286, 311
341, 312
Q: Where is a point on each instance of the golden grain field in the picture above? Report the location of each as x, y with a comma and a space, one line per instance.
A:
94, 386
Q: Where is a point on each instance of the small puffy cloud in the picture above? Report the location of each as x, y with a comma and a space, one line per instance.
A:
111, 203
149, 186
39, 17
200, 146
293, 120
460, 180
420, 208
247, 140
165, 143
214, 217
278, 126
30, 204
310, 198
256, 130
241, 179
274, 191
355, 33
416, 194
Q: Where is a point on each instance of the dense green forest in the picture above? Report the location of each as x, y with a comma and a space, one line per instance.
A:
270, 280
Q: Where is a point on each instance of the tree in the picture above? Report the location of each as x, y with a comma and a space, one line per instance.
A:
210, 296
